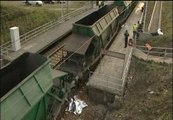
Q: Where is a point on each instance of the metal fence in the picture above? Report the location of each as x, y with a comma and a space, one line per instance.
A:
127, 62
162, 53
7, 47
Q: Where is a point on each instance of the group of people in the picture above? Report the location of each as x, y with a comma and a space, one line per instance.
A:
135, 34
136, 30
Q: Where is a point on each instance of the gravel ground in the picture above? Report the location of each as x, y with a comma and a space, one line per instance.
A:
92, 112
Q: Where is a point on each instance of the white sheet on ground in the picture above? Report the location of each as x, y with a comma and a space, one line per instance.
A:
76, 105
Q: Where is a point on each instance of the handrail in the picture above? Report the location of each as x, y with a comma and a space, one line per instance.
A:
162, 53
146, 51
157, 51
140, 46
126, 68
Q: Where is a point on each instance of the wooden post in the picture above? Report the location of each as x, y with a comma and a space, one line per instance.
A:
164, 55
148, 53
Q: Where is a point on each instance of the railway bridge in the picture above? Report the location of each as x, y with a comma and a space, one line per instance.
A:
116, 60
109, 77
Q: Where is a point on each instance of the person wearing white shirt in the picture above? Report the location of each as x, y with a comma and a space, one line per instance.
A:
159, 31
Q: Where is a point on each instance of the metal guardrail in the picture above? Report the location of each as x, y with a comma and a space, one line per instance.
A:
126, 67
7, 47
162, 52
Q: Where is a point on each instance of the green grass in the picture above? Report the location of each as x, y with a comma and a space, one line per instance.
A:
166, 26
16, 13
138, 103
26, 20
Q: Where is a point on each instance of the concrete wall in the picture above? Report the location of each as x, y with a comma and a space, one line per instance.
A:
99, 96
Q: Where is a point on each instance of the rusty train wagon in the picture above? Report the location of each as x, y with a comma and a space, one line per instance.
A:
92, 34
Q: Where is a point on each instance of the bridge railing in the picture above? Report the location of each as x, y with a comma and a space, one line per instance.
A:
162, 52
127, 62
7, 47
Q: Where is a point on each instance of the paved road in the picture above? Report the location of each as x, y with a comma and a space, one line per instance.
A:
154, 25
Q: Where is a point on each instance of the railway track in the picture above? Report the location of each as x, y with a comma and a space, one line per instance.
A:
57, 56
55, 51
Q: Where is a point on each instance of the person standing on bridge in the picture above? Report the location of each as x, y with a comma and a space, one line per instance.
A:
99, 4
135, 26
126, 35
137, 30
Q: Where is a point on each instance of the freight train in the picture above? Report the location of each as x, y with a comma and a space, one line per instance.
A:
91, 35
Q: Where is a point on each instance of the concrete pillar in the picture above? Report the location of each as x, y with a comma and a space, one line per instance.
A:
15, 38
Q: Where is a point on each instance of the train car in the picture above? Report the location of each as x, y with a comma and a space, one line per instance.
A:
30, 90
92, 34
124, 9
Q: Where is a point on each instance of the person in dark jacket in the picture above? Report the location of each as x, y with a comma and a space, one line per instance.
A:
126, 35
